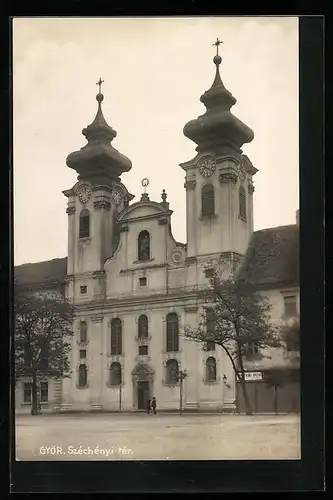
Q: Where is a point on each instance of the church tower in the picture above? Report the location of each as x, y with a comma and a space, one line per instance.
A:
93, 204
218, 181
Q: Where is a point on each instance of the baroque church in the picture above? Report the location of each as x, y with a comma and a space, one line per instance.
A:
135, 287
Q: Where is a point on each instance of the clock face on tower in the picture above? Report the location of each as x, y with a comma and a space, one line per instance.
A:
116, 196
84, 194
207, 166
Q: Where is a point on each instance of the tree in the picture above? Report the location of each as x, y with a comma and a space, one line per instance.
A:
239, 321
43, 327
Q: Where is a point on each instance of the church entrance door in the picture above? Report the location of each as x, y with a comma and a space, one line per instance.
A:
143, 394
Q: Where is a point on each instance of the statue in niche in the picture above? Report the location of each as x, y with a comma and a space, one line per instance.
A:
144, 245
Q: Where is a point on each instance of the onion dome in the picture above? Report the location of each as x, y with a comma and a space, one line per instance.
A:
218, 127
99, 160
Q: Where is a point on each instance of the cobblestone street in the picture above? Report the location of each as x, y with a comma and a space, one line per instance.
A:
156, 437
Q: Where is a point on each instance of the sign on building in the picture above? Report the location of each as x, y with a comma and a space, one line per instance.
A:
249, 376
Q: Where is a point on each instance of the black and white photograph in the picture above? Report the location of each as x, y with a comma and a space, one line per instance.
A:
156, 238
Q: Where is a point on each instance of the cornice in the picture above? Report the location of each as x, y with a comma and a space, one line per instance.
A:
70, 210
151, 300
147, 266
158, 215
99, 274
190, 260
69, 193
191, 309
276, 285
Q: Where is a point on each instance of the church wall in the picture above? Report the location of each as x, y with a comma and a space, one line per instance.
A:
176, 278
100, 395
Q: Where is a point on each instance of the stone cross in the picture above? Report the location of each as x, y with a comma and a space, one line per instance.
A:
99, 83
217, 44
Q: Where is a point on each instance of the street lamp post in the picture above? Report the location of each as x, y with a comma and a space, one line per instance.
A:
120, 389
120, 396
182, 375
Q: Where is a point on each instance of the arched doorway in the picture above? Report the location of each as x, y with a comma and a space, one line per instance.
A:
143, 379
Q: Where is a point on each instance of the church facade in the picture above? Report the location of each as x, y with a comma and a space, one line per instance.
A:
135, 287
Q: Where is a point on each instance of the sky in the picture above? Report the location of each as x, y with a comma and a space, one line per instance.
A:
154, 72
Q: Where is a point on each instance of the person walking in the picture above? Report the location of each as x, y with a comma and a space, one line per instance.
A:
148, 406
153, 405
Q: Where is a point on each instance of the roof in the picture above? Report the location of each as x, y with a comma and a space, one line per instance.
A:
271, 260
41, 273
273, 257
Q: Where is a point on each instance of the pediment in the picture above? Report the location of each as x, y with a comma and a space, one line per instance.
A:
142, 210
142, 368
142, 372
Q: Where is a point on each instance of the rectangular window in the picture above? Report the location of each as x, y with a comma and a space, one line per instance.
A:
251, 350
83, 353
27, 393
83, 289
210, 345
44, 392
290, 308
143, 281
143, 350
209, 273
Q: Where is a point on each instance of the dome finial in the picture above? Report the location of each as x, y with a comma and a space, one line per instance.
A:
99, 97
218, 125
99, 160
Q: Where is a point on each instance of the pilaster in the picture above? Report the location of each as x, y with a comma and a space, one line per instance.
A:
96, 361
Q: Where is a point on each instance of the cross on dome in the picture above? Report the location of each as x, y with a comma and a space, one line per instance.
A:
99, 83
217, 44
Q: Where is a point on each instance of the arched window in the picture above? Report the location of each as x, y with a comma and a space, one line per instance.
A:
116, 336
210, 328
83, 331
210, 369
143, 326
115, 374
84, 230
172, 371
144, 246
172, 340
242, 202
207, 200
82, 375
